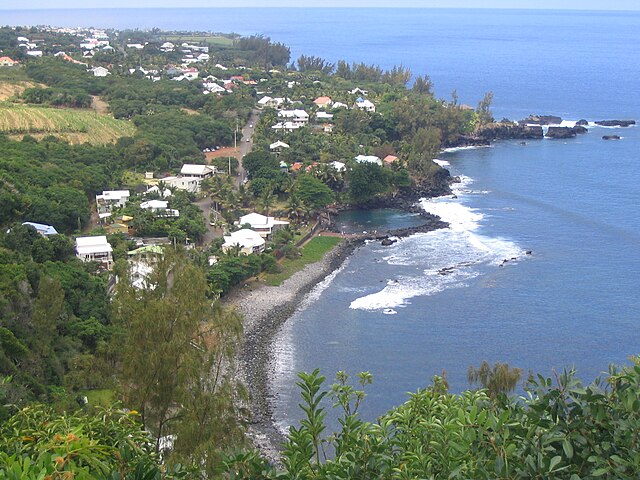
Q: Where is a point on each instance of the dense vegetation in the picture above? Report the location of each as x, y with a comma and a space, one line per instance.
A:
167, 352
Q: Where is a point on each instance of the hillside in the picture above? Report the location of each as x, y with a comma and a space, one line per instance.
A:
72, 125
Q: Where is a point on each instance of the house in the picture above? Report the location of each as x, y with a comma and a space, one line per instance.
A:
323, 102
339, 105
297, 116
270, 102
135, 46
142, 261
296, 166
338, 166
95, 249
34, 53
324, 116
327, 128
366, 105
188, 184
390, 159
110, 199
7, 62
212, 87
288, 126
368, 159
249, 241
358, 91
100, 72
278, 146
43, 229
262, 224
167, 47
155, 190
199, 171
160, 208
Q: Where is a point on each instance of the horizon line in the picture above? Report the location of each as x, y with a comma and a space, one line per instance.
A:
403, 7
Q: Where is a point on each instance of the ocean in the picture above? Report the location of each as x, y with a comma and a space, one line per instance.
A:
441, 301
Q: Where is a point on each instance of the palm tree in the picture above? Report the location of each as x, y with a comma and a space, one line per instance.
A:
295, 210
266, 200
500, 379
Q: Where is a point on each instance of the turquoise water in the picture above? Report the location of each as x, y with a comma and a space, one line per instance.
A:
574, 204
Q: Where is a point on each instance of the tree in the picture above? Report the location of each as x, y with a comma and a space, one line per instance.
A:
500, 379
313, 192
423, 85
424, 148
366, 180
484, 110
179, 377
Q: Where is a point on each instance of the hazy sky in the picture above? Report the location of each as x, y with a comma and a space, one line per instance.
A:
546, 4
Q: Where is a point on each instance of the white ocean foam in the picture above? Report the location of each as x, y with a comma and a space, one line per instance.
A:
459, 149
458, 216
443, 259
442, 163
320, 287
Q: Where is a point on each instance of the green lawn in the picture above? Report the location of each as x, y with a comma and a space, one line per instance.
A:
102, 397
312, 252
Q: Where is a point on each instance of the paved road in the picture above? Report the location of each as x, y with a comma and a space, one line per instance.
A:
246, 144
244, 147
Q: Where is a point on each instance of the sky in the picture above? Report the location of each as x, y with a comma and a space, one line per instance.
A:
532, 4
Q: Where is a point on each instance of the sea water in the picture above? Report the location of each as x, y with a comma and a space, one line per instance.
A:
441, 301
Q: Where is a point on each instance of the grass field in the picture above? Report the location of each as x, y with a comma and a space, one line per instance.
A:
102, 398
74, 126
13, 81
312, 252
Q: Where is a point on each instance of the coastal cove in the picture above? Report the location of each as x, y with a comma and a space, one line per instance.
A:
573, 302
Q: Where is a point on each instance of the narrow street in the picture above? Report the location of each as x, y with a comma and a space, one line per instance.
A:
245, 145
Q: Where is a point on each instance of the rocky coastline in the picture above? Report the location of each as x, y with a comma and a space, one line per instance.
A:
531, 128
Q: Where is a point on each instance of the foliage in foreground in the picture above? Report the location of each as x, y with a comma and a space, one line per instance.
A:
38, 443
561, 430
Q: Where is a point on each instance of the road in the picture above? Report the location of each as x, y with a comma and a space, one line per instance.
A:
244, 147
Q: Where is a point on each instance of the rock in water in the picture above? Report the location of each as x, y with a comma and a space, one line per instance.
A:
616, 123
542, 120
582, 123
611, 137
560, 132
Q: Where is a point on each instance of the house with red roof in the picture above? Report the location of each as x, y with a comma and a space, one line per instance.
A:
7, 62
323, 102
389, 159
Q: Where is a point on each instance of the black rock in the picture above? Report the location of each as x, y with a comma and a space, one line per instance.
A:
560, 132
616, 123
582, 123
387, 241
579, 129
541, 120
611, 137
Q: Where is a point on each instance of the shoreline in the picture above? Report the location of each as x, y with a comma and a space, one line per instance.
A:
265, 309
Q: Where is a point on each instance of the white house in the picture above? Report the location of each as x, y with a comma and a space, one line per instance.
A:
368, 159
366, 105
278, 146
267, 101
358, 91
288, 126
188, 184
167, 47
110, 199
297, 116
212, 87
136, 46
95, 249
324, 116
166, 193
203, 57
34, 53
262, 224
337, 166
159, 207
100, 72
200, 171
141, 262
248, 240
43, 229
339, 105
